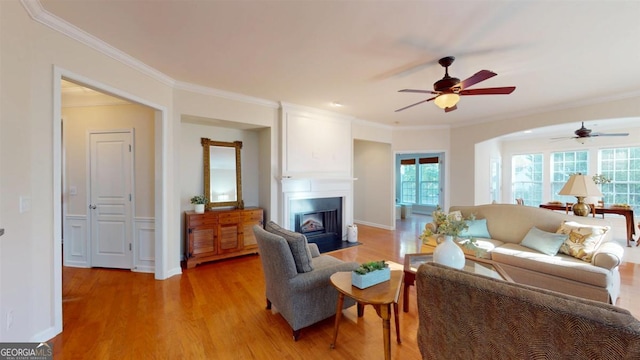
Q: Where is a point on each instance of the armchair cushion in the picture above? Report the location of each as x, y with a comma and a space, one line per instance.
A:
297, 243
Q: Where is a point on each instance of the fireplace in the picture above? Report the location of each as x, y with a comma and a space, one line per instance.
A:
320, 220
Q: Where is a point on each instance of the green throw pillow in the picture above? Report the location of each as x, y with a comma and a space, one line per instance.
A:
477, 229
298, 245
542, 241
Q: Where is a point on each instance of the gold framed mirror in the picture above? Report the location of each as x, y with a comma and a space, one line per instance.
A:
222, 173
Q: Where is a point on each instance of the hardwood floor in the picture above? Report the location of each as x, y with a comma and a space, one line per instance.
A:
217, 311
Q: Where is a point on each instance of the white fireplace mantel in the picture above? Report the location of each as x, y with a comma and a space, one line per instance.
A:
299, 189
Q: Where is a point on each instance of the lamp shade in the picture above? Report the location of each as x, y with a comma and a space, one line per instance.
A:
447, 100
580, 185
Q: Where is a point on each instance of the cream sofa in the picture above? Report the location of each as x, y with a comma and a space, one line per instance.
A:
508, 224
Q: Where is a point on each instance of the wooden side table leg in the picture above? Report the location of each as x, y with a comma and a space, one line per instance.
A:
395, 314
385, 313
405, 297
338, 317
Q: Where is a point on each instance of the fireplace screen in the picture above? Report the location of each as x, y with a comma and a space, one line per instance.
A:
311, 223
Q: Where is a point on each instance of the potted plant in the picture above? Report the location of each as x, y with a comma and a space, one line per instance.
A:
199, 201
370, 273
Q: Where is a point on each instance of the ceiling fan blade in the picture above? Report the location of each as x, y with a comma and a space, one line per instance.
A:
412, 105
610, 134
481, 75
449, 109
489, 91
419, 91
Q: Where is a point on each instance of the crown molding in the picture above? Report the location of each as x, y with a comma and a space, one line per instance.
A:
204, 90
311, 111
373, 124
39, 14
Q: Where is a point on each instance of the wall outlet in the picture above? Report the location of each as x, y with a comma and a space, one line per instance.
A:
25, 204
9, 319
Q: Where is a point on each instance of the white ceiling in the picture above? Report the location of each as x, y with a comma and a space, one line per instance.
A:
360, 53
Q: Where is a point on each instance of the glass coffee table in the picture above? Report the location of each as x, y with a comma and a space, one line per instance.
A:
472, 264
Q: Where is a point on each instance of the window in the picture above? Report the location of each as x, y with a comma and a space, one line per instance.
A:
408, 181
420, 181
622, 166
563, 165
527, 178
429, 181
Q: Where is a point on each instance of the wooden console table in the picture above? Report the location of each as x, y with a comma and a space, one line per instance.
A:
220, 234
627, 212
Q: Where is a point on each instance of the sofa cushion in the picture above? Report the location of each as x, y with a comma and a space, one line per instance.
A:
583, 240
560, 265
484, 247
298, 245
542, 241
477, 229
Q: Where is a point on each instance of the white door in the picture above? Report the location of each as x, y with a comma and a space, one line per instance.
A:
110, 205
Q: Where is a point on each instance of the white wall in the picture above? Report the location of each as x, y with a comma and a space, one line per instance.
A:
373, 189
484, 153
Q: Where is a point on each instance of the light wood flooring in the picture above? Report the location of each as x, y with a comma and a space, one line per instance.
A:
217, 311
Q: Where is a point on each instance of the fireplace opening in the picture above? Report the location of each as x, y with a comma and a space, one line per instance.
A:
312, 223
320, 220
318, 223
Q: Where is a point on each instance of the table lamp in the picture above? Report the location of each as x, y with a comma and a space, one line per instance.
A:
580, 186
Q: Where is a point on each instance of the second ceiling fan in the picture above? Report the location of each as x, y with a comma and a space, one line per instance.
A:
449, 89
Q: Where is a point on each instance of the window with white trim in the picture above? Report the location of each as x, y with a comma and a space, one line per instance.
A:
563, 165
526, 175
622, 166
408, 181
429, 181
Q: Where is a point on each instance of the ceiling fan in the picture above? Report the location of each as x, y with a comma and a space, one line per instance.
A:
449, 89
583, 133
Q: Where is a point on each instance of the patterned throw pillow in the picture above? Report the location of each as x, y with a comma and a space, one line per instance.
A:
583, 240
298, 245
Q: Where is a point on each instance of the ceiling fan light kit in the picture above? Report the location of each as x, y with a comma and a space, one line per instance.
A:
448, 90
447, 100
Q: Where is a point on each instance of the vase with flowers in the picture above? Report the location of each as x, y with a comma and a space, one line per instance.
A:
448, 226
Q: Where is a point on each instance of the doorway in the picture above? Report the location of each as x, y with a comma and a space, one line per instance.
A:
420, 182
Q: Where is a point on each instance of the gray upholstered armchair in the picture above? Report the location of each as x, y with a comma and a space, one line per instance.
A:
298, 287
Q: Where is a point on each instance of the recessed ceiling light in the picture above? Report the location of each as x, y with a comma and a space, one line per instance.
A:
528, 131
336, 104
